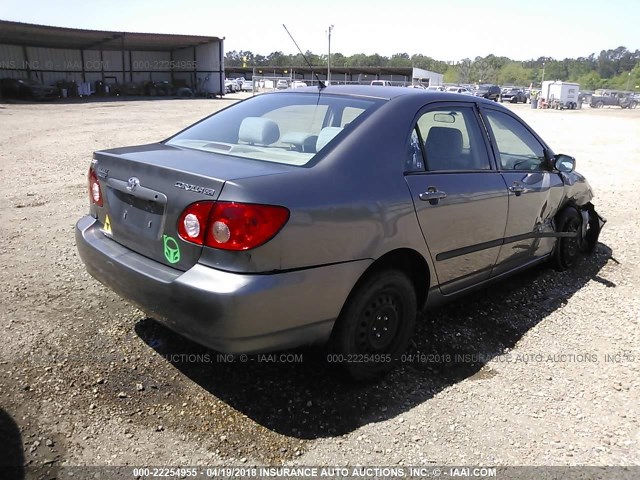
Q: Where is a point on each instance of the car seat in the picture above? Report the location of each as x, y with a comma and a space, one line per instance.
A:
443, 148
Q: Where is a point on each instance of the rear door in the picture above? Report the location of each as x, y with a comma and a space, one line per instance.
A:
534, 191
459, 197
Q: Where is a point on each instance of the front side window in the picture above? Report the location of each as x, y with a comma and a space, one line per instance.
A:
517, 148
453, 140
290, 128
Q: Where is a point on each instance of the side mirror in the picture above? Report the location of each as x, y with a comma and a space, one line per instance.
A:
564, 163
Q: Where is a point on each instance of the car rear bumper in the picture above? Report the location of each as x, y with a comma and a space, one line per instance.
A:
229, 312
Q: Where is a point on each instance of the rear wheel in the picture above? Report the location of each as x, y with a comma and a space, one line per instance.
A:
375, 325
567, 250
600, 104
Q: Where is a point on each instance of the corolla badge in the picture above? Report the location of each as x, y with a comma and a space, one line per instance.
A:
195, 188
133, 183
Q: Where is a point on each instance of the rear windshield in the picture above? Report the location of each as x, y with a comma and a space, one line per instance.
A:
290, 128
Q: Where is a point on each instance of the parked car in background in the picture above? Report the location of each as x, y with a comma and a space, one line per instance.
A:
24, 89
628, 100
247, 85
513, 95
584, 96
435, 88
231, 86
461, 90
215, 231
282, 84
613, 98
490, 92
298, 84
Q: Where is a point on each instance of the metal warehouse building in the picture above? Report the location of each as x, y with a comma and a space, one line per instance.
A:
104, 62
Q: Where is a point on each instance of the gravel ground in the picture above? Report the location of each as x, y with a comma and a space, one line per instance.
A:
539, 370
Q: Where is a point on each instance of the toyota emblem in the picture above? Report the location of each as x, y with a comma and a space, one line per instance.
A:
133, 183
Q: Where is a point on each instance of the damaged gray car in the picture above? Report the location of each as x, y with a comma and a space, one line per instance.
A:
330, 216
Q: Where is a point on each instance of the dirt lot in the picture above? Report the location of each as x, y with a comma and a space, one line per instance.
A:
551, 375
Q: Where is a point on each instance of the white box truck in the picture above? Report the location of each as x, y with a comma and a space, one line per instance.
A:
559, 95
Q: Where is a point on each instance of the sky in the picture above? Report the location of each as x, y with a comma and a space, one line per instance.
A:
448, 30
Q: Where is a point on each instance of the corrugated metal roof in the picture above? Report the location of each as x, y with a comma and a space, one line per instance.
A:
17, 33
408, 72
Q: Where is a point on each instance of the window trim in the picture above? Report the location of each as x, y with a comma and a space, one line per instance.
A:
474, 106
547, 152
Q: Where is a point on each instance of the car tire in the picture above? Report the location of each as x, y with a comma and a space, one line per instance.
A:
567, 250
600, 104
375, 325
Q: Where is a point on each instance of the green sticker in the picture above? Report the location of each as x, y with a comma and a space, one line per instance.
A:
171, 249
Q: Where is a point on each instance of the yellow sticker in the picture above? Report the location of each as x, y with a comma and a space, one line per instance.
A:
107, 225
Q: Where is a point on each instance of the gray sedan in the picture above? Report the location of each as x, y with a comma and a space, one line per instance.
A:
330, 215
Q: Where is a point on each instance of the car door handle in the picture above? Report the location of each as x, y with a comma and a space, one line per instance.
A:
433, 195
517, 188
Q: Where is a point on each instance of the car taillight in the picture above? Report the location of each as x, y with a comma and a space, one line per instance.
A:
95, 194
192, 224
231, 225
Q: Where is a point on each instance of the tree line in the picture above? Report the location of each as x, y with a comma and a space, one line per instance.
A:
617, 68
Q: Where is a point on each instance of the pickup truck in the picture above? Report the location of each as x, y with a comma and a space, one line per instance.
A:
613, 98
381, 83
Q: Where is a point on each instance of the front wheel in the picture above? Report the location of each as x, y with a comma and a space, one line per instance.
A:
375, 325
567, 250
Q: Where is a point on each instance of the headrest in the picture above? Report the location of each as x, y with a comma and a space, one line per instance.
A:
262, 131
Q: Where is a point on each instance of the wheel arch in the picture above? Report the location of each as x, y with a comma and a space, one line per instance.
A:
570, 205
406, 260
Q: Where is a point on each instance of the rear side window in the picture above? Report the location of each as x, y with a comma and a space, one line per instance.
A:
517, 148
349, 114
453, 140
290, 128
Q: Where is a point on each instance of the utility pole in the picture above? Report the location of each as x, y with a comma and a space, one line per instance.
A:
628, 80
542, 75
329, 57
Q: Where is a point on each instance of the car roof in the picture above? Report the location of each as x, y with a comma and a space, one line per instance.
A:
384, 93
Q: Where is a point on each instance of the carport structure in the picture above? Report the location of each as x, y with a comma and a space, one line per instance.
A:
53, 54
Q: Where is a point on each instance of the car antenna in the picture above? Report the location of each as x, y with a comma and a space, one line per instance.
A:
321, 84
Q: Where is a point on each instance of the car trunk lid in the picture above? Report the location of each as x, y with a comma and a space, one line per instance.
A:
146, 188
